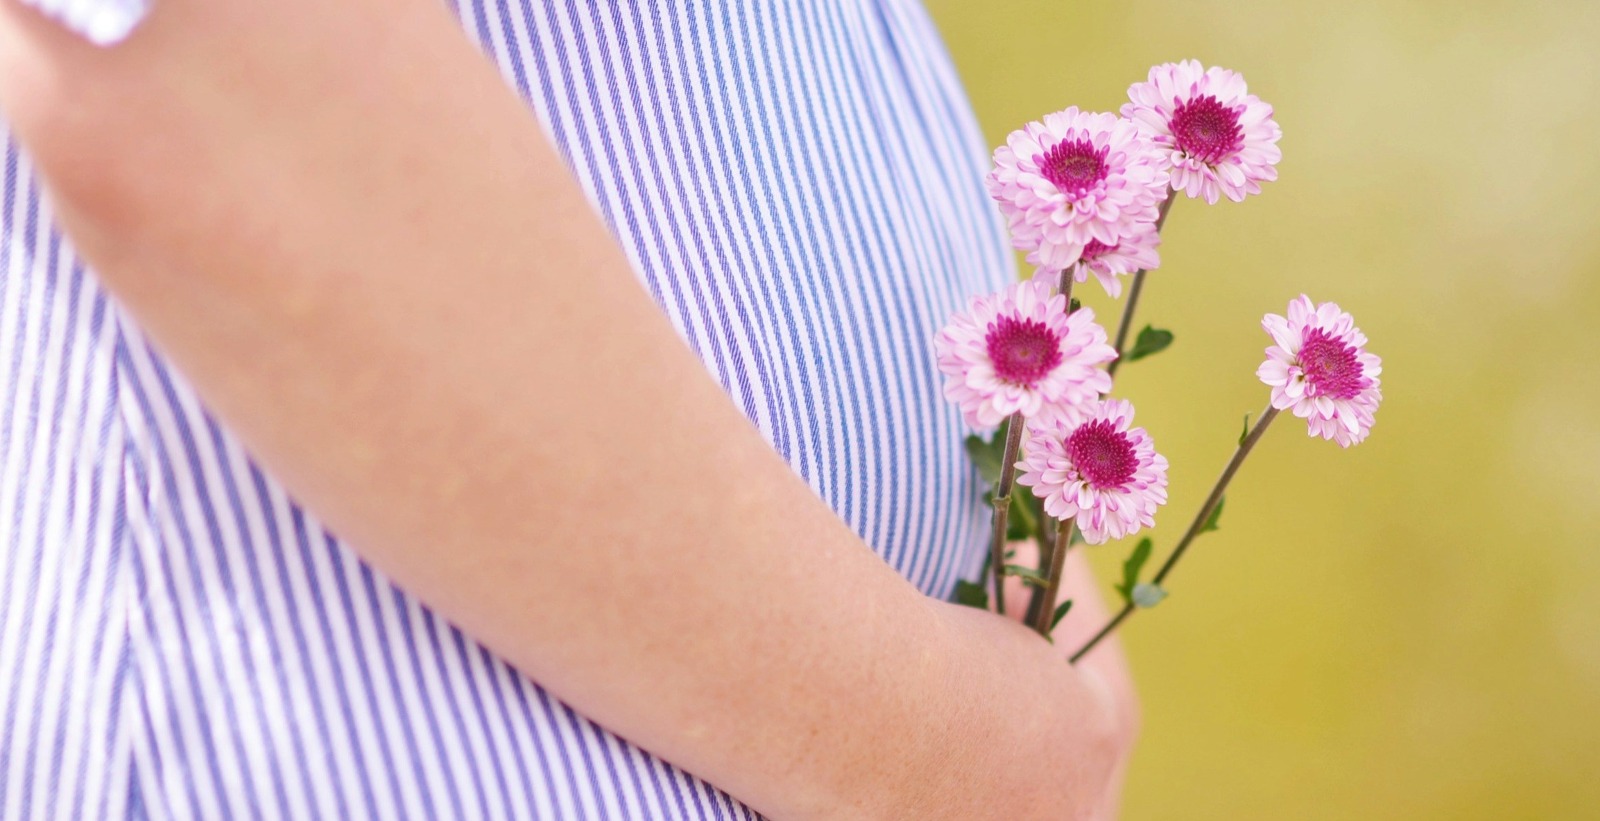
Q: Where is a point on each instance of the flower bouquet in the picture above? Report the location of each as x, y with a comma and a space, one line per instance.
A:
1085, 194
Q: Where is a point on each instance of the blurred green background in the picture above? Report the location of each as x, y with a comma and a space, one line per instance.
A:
1408, 629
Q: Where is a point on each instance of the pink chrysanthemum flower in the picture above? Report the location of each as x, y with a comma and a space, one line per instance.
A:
1101, 471
1018, 350
1109, 263
1321, 370
1213, 136
1075, 178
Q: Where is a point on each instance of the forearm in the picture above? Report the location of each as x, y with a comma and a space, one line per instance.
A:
361, 249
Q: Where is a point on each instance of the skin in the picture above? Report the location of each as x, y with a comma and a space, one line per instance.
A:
428, 336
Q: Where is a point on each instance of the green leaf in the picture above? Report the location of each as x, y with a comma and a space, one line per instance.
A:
1151, 341
1061, 613
1027, 574
1147, 595
987, 456
1245, 434
972, 594
1073, 307
1215, 518
1131, 568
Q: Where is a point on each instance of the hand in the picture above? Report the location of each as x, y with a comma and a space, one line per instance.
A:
1104, 671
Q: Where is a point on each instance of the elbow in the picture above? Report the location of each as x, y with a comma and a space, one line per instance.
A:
1074, 775
1088, 740
1067, 766
1037, 738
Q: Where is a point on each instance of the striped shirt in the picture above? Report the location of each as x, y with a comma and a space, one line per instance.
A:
798, 185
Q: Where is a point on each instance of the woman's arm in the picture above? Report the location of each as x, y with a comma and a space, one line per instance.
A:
361, 248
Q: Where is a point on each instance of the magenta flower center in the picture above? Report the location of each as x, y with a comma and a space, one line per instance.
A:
1331, 367
1096, 249
1207, 130
1074, 166
1102, 454
1023, 350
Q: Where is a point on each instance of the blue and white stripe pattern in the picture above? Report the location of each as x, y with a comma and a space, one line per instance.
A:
799, 186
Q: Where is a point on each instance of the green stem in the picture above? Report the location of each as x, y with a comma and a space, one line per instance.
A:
1133, 294
1042, 600
1046, 539
1052, 589
1195, 527
1002, 509
1116, 621
1215, 498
